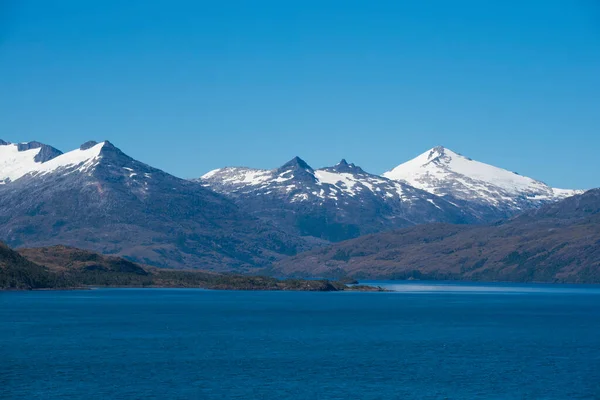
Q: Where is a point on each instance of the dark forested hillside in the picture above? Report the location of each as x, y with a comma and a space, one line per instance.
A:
17, 272
62, 267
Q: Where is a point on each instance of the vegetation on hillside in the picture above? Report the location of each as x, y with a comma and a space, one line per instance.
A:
59, 267
558, 243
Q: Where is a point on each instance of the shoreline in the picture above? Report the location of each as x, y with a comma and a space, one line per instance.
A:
361, 288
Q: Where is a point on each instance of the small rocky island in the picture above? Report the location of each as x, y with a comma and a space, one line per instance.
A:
62, 267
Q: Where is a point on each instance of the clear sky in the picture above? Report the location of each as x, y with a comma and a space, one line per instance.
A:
189, 86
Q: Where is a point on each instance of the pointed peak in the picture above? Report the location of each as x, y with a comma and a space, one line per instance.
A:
106, 150
437, 151
296, 163
441, 151
112, 153
3, 143
345, 166
440, 154
297, 169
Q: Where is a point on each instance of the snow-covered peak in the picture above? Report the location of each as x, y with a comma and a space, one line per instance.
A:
438, 151
18, 160
440, 163
442, 171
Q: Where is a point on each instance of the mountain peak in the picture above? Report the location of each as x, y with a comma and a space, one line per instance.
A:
345, 166
438, 153
442, 172
296, 163
439, 149
435, 152
105, 148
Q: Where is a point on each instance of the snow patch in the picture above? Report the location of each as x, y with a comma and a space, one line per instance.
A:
15, 164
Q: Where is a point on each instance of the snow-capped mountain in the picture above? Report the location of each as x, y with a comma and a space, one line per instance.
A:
333, 203
486, 191
98, 198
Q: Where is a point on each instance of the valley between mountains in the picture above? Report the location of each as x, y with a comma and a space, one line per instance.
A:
440, 215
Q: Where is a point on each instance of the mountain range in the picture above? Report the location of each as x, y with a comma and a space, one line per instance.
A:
334, 203
98, 198
237, 218
341, 202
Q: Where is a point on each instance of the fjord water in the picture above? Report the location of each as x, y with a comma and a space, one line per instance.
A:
425, 341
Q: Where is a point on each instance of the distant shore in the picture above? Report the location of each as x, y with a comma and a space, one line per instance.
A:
323, 286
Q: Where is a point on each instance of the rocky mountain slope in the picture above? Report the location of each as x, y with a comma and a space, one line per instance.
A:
100, 199
333, 203
485, 191
556, 243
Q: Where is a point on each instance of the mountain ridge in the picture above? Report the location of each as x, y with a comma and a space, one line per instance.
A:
462, 190
97, 197
347, 200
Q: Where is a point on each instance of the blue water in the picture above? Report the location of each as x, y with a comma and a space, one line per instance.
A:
426, 341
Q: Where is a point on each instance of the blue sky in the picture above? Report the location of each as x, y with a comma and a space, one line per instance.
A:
189, 86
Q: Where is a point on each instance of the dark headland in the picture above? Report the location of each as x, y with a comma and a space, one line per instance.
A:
62, 267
